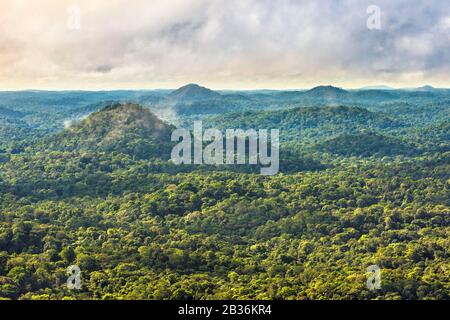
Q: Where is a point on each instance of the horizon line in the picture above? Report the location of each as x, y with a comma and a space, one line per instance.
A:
368, 87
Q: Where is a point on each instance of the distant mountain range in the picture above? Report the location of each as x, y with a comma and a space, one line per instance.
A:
427, 88
342, 117
193, 99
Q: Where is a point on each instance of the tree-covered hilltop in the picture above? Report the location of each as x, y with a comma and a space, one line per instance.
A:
124, 128
364, 180
195, 100
328, 93
192, 92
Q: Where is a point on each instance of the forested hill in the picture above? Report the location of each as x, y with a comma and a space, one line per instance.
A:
328, 93
193, 99
193, 92
309, 122
126, 128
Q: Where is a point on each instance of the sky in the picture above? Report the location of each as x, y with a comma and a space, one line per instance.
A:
242, 44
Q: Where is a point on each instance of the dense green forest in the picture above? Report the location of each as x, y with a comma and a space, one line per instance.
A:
86, 180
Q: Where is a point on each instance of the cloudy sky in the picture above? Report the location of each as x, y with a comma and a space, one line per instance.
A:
222, 44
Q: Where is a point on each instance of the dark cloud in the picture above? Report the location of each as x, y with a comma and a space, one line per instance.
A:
104, 68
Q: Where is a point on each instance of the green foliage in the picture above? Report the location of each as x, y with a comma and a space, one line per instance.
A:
362, 184
308, 123
366, 144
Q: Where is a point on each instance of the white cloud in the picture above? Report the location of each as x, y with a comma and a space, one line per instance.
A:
445, 23
416, 45
235, 43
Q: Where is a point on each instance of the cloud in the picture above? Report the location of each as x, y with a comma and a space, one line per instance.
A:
235, 43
